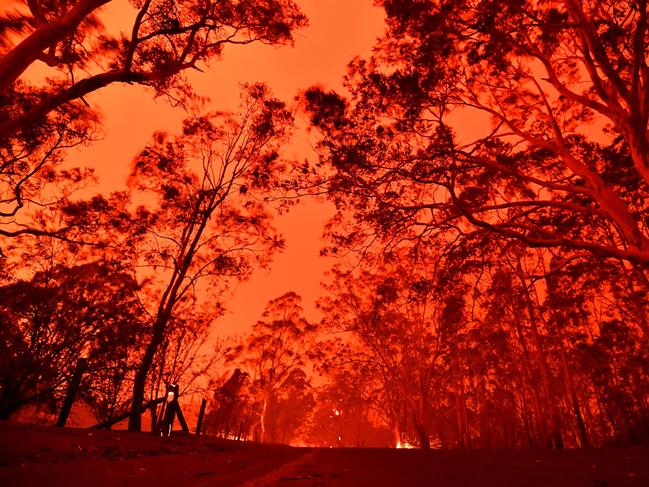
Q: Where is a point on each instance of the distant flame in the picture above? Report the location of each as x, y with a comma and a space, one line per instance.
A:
404, 445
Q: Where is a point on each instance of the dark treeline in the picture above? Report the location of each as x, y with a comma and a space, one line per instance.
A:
489, 164
456, 353
489, 167
482, 353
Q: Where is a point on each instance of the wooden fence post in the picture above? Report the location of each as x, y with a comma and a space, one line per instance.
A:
201, 414
172, 410
181, 418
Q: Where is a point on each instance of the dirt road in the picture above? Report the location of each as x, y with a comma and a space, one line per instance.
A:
37, 456
414, 468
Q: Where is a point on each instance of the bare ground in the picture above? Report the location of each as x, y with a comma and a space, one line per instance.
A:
46, 456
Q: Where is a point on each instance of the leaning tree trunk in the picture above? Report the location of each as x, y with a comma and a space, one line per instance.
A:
165, 309
139, 382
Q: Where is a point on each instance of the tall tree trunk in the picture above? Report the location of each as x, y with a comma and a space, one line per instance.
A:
551, 397
581, 426
422, 434
262, 418
192, 233
537, 393
396, 434
460, 417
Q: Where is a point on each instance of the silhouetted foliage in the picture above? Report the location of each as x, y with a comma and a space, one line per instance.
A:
489, 164
524, 119
207, 225
160, 42
274, 357
63, 313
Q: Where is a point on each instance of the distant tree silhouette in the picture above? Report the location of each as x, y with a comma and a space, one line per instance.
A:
404, 318
229, 407
274, 357
348, 409
289, 408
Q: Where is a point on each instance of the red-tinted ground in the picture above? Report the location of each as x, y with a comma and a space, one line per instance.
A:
38, 456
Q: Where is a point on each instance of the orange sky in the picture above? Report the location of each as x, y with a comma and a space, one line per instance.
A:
338, 31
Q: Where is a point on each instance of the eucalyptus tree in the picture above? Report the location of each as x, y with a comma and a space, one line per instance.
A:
275, 356
203, 221
82, 47
527, 120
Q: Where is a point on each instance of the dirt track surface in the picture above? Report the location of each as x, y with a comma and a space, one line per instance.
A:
40, 456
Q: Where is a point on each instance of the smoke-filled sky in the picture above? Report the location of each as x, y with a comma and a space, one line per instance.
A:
338, 30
